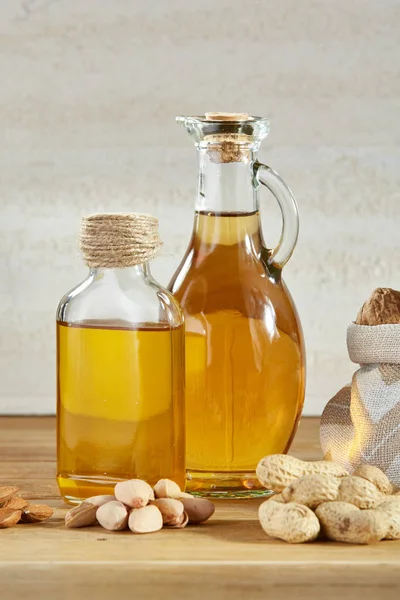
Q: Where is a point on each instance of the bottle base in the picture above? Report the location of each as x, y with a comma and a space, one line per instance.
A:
223, 485
232, 485
75, 490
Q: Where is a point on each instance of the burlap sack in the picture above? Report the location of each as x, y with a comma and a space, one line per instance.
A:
361, 424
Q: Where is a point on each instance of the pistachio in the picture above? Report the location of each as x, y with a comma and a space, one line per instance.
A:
82, 515
166, 488
172, 510
113, 515
135, 493
198, 509
145, 520
184, 520
9, 517
100, 500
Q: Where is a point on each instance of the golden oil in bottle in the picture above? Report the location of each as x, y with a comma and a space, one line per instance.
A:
244, 355
120, 406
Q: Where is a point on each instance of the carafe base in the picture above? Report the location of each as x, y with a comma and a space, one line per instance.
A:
228, 485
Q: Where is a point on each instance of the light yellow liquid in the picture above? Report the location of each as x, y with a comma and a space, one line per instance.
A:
120, 406
244, 356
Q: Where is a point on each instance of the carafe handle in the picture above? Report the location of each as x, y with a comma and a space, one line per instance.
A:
279, 256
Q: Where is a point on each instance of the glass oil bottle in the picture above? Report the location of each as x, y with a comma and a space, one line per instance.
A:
244, 345
120, 365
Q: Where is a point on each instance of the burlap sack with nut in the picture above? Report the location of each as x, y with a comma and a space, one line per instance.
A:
361, 424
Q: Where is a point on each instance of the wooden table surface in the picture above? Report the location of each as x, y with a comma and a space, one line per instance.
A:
227, 558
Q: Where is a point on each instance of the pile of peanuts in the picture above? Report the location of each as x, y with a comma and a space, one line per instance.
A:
320, 499
135, 504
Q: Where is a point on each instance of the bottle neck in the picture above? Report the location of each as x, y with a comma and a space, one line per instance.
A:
123, 276
226, 187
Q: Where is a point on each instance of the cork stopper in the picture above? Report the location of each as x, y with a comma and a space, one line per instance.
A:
220, 116
228, 147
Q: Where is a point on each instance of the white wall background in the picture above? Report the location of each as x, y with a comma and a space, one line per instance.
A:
88, 94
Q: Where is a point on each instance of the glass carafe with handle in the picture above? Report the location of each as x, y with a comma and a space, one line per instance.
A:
244, 344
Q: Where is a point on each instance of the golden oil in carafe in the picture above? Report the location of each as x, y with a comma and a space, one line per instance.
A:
244, 366
120, 406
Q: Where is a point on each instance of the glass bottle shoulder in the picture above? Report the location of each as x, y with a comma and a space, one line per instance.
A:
130, 296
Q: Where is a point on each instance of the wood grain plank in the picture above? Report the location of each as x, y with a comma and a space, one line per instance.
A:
26, 470
228, 557
225, 581
32, 439
232, 535
29, 439
28, 454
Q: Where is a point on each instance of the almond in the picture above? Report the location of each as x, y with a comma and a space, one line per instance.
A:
9, 517
82, 515
34, 513
17, 503
7, 492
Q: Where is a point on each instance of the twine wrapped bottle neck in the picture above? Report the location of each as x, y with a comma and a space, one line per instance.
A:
117, 240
